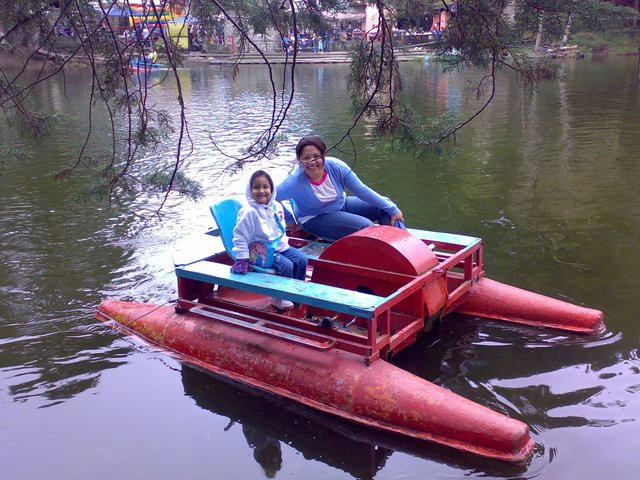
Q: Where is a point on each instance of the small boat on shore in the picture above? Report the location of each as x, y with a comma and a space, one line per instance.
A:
368, 296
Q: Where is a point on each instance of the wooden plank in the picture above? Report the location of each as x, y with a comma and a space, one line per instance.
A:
317, 295
452, 238
199, 247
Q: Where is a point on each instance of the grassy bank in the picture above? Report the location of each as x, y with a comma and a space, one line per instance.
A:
614, 42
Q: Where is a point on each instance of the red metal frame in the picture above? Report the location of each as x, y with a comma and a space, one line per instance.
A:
461, 264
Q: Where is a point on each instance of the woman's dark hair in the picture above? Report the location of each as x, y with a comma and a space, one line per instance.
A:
261, 173
313, 140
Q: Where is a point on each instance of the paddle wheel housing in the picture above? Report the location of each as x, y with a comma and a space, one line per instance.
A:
382, 261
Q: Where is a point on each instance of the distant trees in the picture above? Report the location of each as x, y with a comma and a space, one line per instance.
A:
635, 4
491, 34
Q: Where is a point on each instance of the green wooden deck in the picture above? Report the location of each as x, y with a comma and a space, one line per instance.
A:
317, 295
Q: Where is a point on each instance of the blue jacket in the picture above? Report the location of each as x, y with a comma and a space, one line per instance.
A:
298, 187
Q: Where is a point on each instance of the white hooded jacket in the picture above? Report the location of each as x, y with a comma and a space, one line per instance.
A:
257, 222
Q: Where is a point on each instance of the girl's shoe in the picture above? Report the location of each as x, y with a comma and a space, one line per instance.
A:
281, 304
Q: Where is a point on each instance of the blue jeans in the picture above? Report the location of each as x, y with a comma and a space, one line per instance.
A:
291, 263
354, 215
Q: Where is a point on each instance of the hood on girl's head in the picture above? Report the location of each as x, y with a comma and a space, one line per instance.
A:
256, 174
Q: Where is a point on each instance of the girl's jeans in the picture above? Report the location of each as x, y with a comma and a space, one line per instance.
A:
291, 263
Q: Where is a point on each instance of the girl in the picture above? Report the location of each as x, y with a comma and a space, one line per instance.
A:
262, 220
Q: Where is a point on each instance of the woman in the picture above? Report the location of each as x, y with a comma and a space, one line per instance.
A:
320, 203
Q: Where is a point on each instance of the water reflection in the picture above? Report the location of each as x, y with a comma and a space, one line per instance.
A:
267, 421
50, 367
546, 180
476, 358
54, 267
266, 450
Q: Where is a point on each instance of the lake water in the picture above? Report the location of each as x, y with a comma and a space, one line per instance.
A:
548, 178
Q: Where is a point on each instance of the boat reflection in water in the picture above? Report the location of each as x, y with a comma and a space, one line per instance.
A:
267, 420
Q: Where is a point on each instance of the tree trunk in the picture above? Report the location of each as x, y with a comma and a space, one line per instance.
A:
567, 29
536, 48
636, 5
510, 11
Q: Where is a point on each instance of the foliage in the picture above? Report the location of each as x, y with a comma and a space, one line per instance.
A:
162, 181
413, 12
489, 34
590, 15
419, 134
11, 153
618, 41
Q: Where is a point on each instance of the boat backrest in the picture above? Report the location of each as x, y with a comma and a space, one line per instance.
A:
292, 213
225, 213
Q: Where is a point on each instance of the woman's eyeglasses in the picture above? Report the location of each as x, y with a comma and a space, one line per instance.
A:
308, 160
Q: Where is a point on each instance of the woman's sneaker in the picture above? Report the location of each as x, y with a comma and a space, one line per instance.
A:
281, 304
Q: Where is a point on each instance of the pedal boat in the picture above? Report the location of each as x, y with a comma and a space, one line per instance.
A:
148, 66
367, 297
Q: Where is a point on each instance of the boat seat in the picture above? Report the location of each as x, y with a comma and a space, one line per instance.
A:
305, 234
225, 213
328, 297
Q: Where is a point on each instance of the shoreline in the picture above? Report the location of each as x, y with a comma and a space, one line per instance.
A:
301, 58
16, 60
